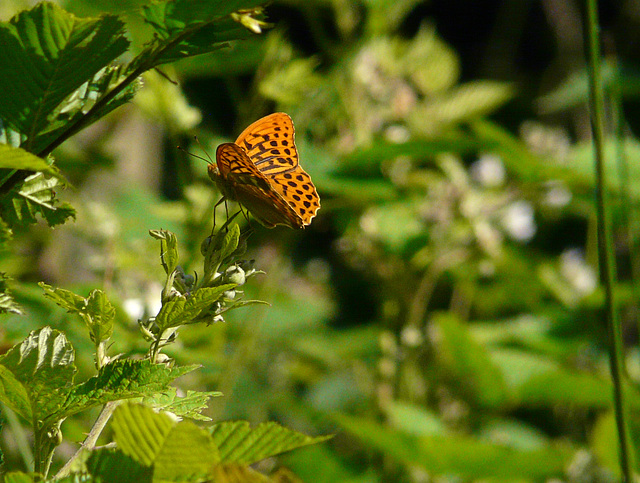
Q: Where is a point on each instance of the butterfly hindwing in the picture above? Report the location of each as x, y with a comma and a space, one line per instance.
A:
244, 183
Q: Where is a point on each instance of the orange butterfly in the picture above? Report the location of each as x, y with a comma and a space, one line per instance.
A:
261, 172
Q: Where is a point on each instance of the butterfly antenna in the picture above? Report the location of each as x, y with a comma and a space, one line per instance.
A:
208, 160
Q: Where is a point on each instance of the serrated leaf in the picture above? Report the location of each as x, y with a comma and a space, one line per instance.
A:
96, 311
191, 27
183, 310
66, 299
42, 373
35, 196
7, 302
98, 315
190, 406
82, 103
121, 379
168, 249
239, 443
174, 449
171, 16
47, 54
113, 466
17, 158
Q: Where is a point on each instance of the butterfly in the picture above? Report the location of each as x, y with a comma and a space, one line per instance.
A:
261, 172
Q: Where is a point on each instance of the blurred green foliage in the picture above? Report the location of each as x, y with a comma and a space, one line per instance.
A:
441, 314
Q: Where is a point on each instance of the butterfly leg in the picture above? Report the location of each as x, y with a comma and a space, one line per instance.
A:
214, 211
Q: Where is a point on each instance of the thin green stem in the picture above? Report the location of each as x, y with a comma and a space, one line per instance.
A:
605, 245
92, 438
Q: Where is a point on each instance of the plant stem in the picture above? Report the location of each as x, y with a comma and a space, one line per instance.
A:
605, 245
91, 439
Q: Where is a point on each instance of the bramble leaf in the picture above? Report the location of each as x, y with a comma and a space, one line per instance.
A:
35, 196
47, 55
190, 406
36, 376
239, 443
121, 379
174, 449
168, 249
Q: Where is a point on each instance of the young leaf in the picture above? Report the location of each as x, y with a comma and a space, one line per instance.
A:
183, 310
121, 379
174, 449
47, 54
168, 249
35, 196
37, 375
66, 299
239, 443
99, 315
96, 311
190, 406
221, 247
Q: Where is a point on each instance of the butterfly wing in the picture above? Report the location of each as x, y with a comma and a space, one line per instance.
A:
270, 144
240, 180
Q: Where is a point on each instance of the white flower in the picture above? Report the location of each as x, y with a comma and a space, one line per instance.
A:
518, 221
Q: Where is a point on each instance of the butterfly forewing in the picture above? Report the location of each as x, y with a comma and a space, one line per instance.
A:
270, 144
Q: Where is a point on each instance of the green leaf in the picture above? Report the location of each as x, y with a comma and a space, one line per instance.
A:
190, 406
121, 379
66, 299
168, 249
37, 375
113, 466
82, 103
7, 302
174, 449
228, 244
469, 362
35, 196
192, 27
17, 158
47, 55
461, 455
366, 161
19, 477
99, 315
239, 443
96, 311
172, 16
183, 310
465, 102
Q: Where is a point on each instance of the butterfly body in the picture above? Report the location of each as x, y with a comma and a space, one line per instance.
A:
261, 171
